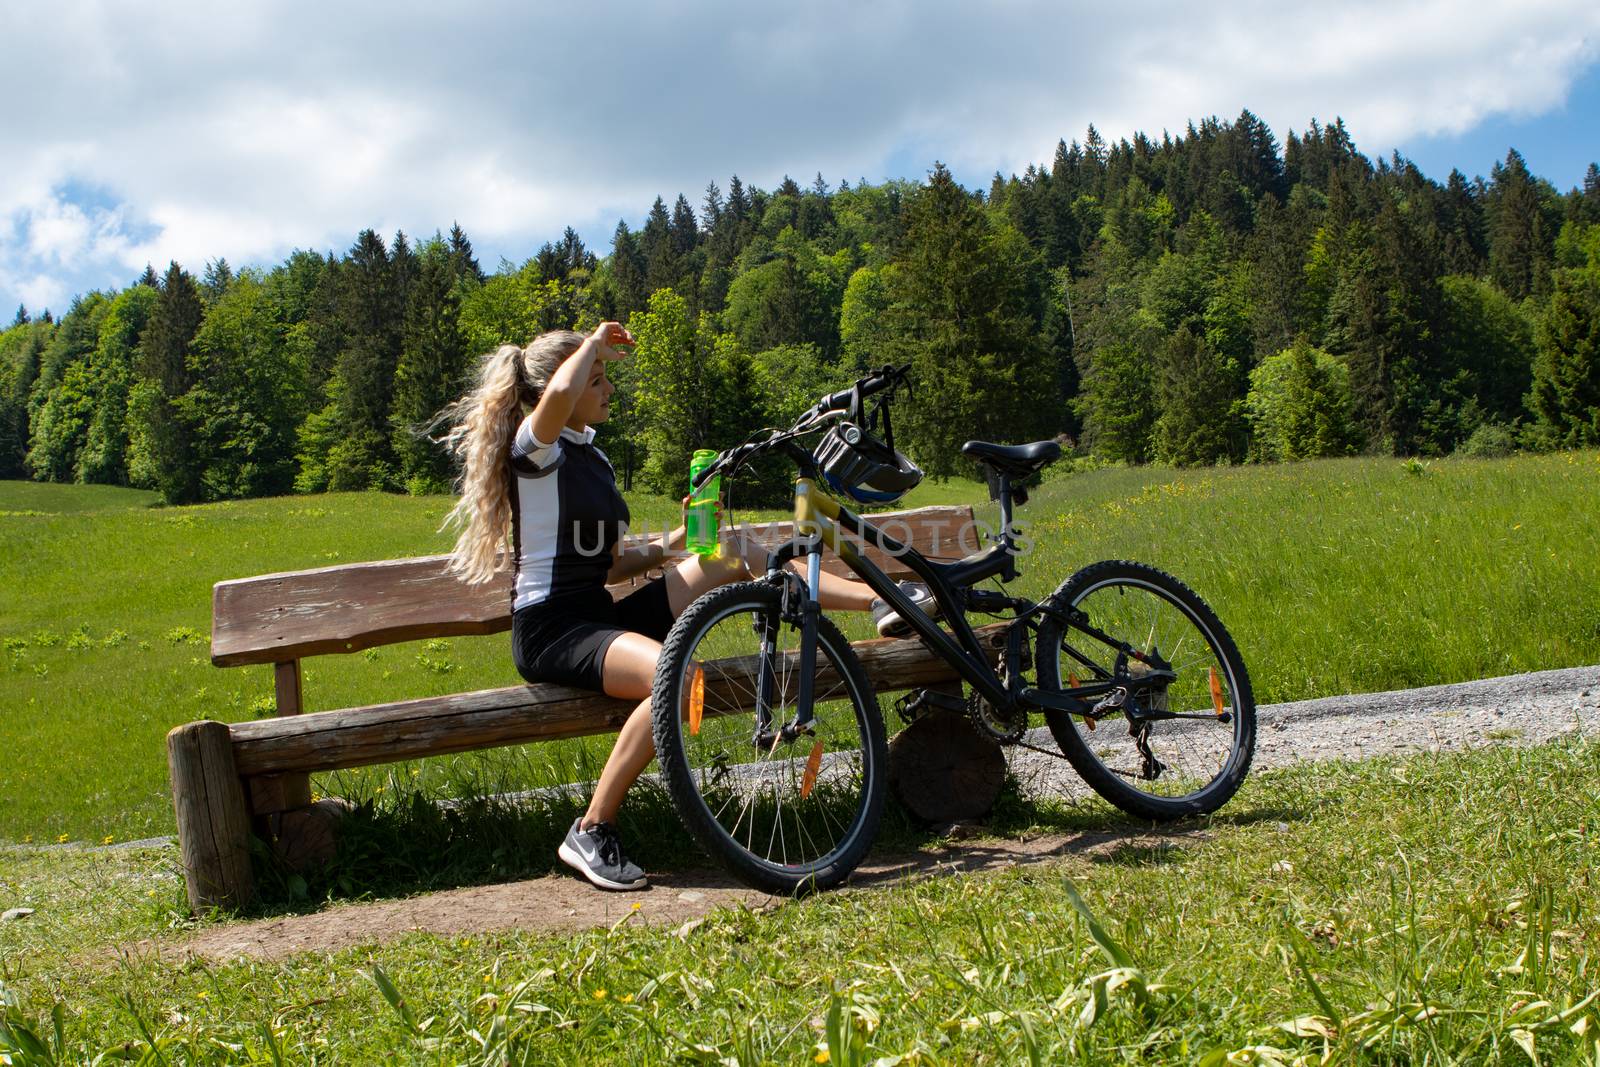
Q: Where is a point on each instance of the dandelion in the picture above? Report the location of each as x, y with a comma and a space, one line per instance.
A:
626, 998
202, 995
822, 1057
599, 994
637, 905
106, 840
62, 839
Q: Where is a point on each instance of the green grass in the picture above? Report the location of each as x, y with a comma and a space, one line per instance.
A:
40, 499
1337, 576
1438, 909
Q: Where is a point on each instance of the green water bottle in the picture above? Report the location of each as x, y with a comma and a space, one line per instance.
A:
700, 535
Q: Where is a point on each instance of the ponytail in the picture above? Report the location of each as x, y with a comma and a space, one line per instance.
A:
481, 426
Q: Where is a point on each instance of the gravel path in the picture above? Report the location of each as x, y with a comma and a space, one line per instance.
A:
1521, 709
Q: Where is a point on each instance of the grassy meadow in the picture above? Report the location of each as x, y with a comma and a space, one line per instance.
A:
1335, 576
1440, 909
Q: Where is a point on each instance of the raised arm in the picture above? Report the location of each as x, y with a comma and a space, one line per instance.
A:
561, 395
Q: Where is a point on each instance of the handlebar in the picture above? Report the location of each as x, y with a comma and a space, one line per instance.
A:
876, 382
834, 403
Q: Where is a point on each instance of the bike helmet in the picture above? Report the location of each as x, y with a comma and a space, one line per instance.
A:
860, 466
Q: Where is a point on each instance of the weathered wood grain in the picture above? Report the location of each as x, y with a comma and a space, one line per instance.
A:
943, 771
435, 726
278, 618
213, 827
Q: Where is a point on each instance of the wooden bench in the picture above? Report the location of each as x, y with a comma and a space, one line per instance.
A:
230, 781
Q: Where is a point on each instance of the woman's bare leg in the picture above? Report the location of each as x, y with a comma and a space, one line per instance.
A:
741, 560
629, 671
630, 665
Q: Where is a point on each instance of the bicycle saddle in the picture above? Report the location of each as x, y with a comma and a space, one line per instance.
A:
1016, 460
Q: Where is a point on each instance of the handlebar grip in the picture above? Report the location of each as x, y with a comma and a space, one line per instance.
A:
835, 401
875, 382
705, 475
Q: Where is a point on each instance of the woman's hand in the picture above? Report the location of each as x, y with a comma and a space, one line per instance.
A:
677, 537
606, 337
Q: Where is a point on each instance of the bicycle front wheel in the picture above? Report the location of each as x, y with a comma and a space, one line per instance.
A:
1182, 740
787, 811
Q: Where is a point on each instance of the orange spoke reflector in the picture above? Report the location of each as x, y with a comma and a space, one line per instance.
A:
1216, 691
697, 698
813, 765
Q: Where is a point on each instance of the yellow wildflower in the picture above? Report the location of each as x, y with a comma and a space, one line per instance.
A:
599, 994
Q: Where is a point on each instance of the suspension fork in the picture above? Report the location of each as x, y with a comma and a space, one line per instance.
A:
798, 600
810, 609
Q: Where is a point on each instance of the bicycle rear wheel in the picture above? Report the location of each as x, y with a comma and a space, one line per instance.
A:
785, 813
1159, 768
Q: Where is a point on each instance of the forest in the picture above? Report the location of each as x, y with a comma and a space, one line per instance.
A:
1208, 298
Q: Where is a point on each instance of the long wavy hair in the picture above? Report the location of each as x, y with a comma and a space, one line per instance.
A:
480, 427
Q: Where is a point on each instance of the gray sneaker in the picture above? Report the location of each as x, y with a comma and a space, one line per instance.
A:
596, 854
889, 622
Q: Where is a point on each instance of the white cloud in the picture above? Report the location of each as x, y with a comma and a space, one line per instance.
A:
220, 130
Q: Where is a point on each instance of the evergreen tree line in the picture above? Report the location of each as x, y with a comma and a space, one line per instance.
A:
1208, 298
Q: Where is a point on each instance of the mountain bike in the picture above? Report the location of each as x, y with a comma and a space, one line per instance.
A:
768, 731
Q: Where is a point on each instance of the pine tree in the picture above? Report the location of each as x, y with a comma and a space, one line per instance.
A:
684, 227
149, 278
711, 209
1465, 247
161, 439
433, 365
462, 261
362, 390
21, 318
21, 355
627, 272
1300, 406
1566, 374
1518, 253
1198, 393
215, 281
966, 312
661, 265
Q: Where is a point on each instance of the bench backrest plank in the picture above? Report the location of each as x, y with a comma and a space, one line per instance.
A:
276, 618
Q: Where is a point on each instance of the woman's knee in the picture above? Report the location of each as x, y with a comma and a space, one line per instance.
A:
629, 668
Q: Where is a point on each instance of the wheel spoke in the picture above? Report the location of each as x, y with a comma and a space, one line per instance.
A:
762, 808
1201, 760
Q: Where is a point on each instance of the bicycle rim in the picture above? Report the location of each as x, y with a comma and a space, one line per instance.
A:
790, 809
1184, 765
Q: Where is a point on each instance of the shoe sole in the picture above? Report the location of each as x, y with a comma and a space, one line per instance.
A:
571, 858
896, 627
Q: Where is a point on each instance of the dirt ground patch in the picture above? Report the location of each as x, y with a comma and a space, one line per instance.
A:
560, 902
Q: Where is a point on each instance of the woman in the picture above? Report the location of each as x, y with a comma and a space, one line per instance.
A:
525, 438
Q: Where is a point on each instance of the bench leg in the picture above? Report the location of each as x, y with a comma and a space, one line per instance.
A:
213, 822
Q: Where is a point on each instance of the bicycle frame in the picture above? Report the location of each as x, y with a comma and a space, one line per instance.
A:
822, 521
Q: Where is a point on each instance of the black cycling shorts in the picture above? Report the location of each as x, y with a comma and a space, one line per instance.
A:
565, 642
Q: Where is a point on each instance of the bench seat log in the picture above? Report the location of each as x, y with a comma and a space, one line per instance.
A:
411, 729
278, 618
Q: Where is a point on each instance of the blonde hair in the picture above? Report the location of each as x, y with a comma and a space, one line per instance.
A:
481, 425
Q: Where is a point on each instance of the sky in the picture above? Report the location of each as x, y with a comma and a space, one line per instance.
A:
191, 131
